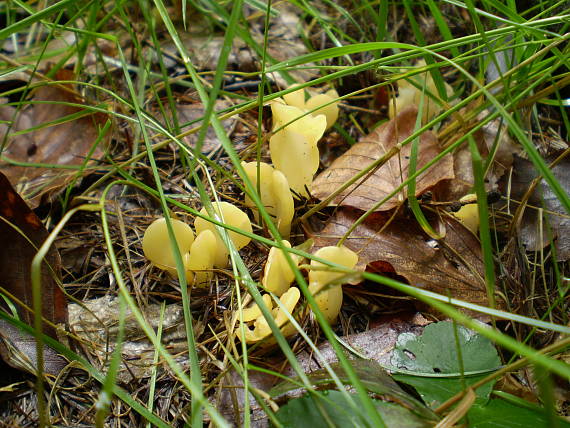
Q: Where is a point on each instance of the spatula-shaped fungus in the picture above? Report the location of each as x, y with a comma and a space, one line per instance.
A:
261, 329
277, 274
157, 247
232, 216
202, 255
328, 294
410, 94
275, 195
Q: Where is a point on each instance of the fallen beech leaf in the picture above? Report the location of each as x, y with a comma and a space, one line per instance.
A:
531, 234
67, 143
452, 265
365, 193
22, 234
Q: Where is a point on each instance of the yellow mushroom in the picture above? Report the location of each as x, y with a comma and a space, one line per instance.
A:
277, 274
232, 216
329, 296
469, 214
311, 126
261, 329
201, 257
409, 94
157, 248
275, 194
330, 111
295, 98
296, 158
253, 312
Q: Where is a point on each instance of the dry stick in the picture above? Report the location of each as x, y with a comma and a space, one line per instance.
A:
551, 349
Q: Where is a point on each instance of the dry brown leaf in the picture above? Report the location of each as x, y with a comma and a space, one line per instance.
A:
365, 194
452, 266
22, 234
63, 144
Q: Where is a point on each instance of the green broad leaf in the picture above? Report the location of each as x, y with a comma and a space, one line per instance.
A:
500, 413
434, 357
330, 409
373, 377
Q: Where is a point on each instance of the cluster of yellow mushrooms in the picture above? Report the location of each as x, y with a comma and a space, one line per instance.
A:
297, 127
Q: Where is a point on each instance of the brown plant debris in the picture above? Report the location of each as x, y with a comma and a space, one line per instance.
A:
366, 192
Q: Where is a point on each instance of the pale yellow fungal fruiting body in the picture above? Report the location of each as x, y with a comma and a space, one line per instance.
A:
408, 94
330, 111
295, 98
275, 194
156, 243
296, 158
311, 126
261, 329
469, 214
201, 257
253, 312
232, 216
277, 274
285, 209
329, 297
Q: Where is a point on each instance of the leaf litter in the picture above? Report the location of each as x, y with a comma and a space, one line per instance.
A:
450, 266
22, 234
66, 144
371, 189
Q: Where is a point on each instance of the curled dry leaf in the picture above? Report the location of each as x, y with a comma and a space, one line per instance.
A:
366, 192
67, 143
533, 232
452, 266
22, 234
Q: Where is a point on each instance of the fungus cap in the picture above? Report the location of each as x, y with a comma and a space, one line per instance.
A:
329, 296
469, 214
295, 98
277, 274
230, 215
261, 328
330, 110
295, 157
202, 256
311, 126
156, 242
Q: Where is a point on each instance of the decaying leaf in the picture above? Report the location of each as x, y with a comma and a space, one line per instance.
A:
366, 192
22, 234
533, 232
451, 266
67, 143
